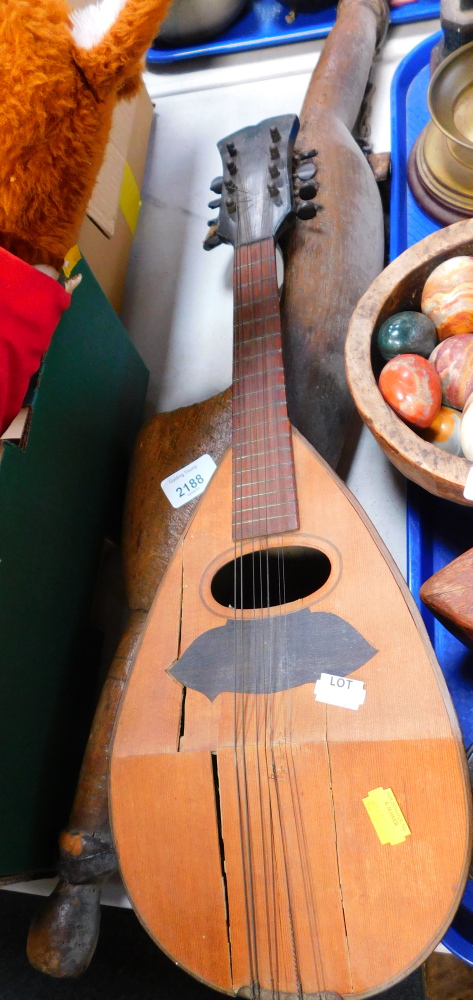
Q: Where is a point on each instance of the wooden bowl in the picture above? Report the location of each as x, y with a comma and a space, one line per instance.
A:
399, 287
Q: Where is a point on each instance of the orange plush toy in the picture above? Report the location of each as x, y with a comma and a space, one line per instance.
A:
61, 74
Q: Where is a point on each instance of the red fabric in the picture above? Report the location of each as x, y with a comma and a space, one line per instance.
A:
31, 305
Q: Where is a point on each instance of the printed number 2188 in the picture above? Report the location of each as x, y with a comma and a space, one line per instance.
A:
190, 486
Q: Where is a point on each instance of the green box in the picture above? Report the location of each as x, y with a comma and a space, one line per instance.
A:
59, 499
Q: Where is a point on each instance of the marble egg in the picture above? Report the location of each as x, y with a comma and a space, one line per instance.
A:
466, 429
412, 388
444, 431
453, 362
407, 333
447, 297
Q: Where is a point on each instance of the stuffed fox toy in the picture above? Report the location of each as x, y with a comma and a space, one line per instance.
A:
61, 74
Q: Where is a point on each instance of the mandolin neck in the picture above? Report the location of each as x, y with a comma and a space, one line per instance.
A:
264, 490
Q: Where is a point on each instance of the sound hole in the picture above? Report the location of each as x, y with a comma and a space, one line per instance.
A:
270, 577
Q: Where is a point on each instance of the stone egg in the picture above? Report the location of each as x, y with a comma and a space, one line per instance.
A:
447, 297
444, 431
412, 388
407, 333
466, 429
453, 362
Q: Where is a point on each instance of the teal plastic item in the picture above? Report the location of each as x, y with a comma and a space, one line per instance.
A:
59, 498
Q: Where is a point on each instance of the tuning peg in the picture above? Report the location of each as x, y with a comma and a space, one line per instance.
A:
232, 167
273, 190
216, 202
307, 154
231, 206
307, 210
307, 190
232, 148
212, 222
274, 152
216, 185
273, 170
212, 239
230, 185
306, 171
275, 133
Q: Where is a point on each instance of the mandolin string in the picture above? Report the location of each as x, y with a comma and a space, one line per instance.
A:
270, 263
278, 450
253, 701
238, 522
299, 826
269, 696
270, 890
255, 283
295, 798
301, 834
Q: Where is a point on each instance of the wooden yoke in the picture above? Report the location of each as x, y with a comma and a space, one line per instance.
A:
341, 250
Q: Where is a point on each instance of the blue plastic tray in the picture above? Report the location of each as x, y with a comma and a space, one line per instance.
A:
437, 530
264, 24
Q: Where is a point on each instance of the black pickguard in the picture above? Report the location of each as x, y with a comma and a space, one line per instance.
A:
276, 653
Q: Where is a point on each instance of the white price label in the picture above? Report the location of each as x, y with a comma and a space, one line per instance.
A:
344, 692
190, 482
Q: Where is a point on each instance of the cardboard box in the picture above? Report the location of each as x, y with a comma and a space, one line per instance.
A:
61, 494
107, 232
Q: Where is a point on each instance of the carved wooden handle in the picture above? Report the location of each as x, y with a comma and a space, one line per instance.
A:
64, 932
339, 80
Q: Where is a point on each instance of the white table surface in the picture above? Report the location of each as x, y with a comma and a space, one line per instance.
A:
178, 300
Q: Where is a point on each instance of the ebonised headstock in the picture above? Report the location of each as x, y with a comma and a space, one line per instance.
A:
256, 189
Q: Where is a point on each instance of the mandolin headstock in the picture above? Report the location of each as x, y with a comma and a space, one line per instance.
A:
256, 188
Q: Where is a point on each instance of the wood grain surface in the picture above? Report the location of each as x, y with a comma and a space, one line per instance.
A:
446, 977
448, 594
332, 259
362, 914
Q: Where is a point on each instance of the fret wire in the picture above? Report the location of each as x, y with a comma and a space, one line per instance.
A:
262, 336
282, 503
281, 445
270, 517
264, 406
276, 434
268, 465
251, 356
251, 303
257, 482
253, 392
253, 335
251, 284
270, 371
263, 493
263, 375
261, 319
256, 454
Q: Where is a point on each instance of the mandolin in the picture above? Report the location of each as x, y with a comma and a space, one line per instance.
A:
289, 797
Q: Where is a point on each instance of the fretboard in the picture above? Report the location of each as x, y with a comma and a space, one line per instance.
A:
264, 491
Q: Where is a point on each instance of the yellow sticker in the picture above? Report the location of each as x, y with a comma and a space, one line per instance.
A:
130, 201
386, 816
73, 257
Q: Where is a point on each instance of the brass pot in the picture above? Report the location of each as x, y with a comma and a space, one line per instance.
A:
444, 150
